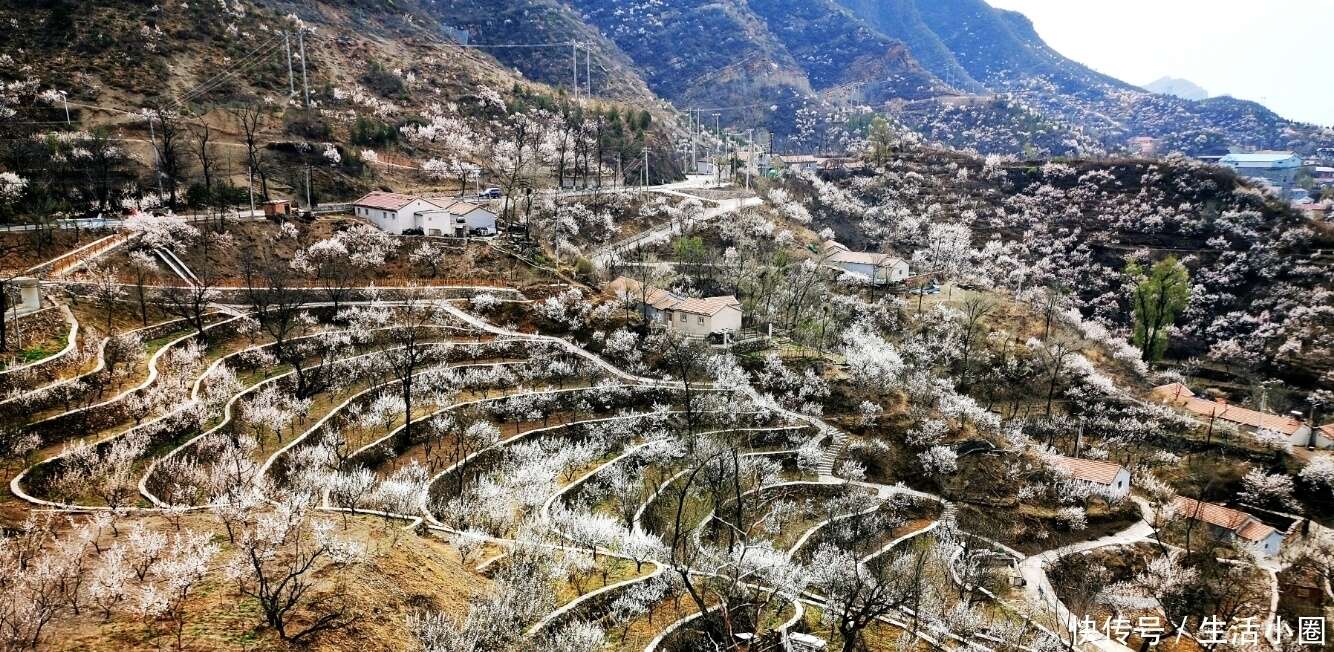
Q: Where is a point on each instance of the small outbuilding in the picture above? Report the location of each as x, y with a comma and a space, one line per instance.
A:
872, 267
1107, 478
1229, 524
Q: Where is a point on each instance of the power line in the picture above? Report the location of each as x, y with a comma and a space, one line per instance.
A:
799, 100
243, 64
266, 45
483, 46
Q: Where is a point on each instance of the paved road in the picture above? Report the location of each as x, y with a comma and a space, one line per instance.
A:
691, 182
1040, 591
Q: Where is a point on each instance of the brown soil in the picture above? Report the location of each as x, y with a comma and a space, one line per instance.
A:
406, 573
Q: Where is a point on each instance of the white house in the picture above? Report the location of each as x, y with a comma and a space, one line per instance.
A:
800, 162
883, 268
1108, 479
458, 218
1262, 540
396, 213
693, 317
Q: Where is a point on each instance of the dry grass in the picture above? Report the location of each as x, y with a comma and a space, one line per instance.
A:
406, 573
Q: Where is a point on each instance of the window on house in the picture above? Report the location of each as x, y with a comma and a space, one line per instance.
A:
683, 318
701, 320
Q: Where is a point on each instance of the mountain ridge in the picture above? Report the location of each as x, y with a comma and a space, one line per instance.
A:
751, 61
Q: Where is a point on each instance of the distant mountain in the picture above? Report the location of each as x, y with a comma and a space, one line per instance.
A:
959, 72
976, 47
1182, 88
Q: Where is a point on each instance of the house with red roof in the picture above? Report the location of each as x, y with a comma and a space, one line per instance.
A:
1108, 479
1220, 412
395, 213
691, 316
1229, 524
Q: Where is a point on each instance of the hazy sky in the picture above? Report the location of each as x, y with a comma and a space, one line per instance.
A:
1277, 52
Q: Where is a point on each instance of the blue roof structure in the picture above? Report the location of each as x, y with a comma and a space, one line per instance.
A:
1263, 160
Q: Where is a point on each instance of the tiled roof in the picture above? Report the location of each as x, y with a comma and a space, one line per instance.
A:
622, 286
390, 201
1255, 531
629, 289
1177, 394
1243, 416
1242, 524
1087, 470
661, 299
1171, 392
456, 207
710, 306
864, 258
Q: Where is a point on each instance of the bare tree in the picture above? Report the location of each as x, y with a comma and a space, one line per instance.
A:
277, 306
143, 267
280, 561
191, 302
107, 293
169, 147
250, 117
975, 308
1054, 357
201, 149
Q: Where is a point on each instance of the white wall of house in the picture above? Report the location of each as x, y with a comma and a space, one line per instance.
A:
689, 323
894, 273
1271, 546
727, 319
395, 222
436, 222
1302, 438
431, 219
480, 219
696, 325
1120, 486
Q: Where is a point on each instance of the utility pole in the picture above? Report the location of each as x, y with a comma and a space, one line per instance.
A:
690, 119
575, 49
750, 155
645, 165
717, 151
305, 84
291, 78
309, 206
250, 188
588, 69
65, 100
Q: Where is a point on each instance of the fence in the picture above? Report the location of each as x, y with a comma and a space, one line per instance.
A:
59, 265
325, 209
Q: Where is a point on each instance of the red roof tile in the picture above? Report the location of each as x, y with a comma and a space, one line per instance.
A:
1178, 395
389, 201
1242, 524
1087, 470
